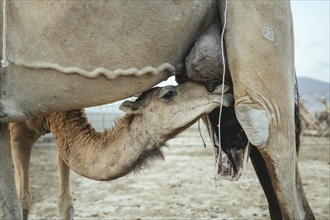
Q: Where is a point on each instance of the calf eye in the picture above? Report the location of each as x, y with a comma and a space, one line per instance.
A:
169, 95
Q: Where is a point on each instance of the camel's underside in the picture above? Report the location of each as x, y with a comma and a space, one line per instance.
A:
55, 48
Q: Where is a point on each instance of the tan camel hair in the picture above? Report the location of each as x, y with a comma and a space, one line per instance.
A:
156, 116
47, 40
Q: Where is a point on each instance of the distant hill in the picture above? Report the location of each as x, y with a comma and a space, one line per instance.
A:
308, 85
311, 91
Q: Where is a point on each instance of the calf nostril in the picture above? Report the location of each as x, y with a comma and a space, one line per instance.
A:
210, 86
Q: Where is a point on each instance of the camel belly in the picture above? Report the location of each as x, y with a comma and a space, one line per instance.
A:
121, 47
109, 34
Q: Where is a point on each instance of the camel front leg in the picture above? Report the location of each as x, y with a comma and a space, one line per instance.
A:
64, 200
9, 204
260, 49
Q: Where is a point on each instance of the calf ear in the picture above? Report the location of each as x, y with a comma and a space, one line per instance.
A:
131, 107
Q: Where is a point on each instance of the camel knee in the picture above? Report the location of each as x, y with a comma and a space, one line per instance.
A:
64, 199
24, 197
254, 121
25, 200
65, 206
23, 192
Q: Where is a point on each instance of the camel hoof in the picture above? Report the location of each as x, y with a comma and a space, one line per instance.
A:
70, 213
25, 214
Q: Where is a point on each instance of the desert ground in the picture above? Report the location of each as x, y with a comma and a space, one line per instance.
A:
178, 188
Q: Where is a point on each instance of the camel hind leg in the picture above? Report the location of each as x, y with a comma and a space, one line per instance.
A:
64, 200
22, 140
260, 54
9, 203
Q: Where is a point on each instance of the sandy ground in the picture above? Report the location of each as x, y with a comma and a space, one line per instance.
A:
178, 188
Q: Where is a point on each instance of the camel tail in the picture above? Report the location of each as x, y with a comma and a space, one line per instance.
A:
297, 119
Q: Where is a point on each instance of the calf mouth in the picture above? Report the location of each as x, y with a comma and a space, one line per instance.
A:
229, 149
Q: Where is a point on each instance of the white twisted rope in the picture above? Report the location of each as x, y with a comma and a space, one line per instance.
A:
100, 70
4, 61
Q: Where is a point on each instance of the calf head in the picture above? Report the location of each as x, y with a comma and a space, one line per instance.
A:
169, 110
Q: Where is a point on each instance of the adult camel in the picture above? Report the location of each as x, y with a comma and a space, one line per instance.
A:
89, 53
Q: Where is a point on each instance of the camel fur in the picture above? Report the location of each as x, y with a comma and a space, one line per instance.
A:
59, 46
156, 116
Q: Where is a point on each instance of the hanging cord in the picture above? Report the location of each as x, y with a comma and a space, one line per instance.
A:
245, 180
223, 80
200, 132
4, 60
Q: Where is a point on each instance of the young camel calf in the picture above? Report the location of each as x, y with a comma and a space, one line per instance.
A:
156, 116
